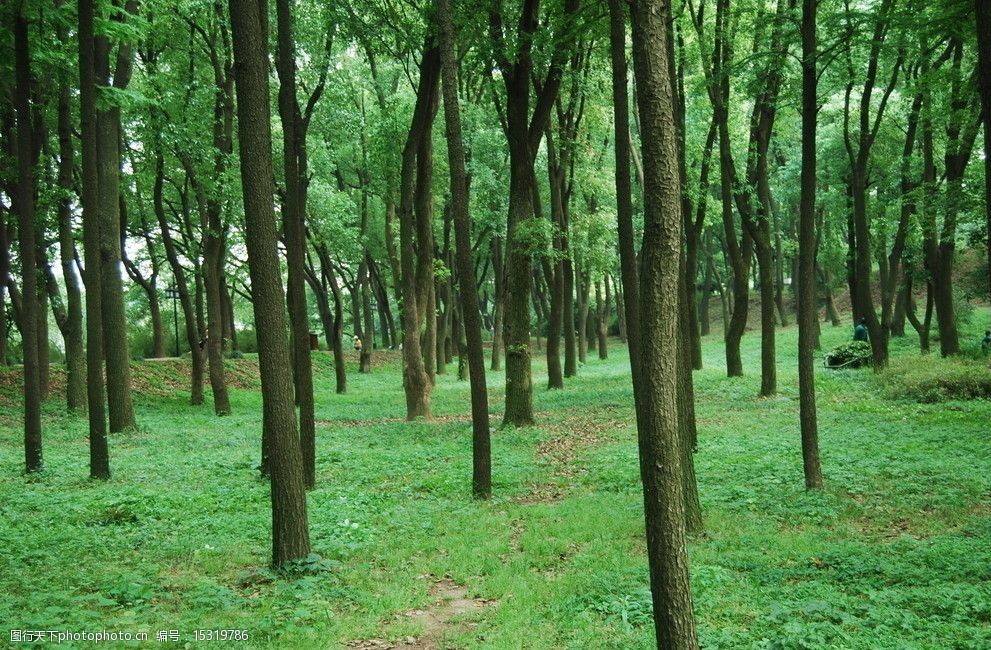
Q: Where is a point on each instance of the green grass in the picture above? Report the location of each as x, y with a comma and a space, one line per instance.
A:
895, 553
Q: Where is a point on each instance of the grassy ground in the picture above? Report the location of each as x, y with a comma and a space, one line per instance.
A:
895, 553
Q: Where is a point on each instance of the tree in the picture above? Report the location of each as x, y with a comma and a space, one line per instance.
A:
27, 230
481, 456
72, 331
983, 22
523, 134
658, 412
416, 381
108, 137
295, 123
290, 529
807, 254
99, 455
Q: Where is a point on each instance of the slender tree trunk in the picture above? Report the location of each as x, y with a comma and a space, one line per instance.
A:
602, 300
583, 289
75, 355
293, 212
983, 22
290, 529
33, 461
481, 455
500, 303
807, 319
99, 455
180, 281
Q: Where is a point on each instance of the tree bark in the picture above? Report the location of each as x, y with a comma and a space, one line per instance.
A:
807, 319
983, 23
481, 454
661, 456
99, 455
293, 212
115, 341
33, 461
75, 355
290, 530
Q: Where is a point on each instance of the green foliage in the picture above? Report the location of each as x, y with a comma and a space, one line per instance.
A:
533, 236
853, 354
894, 554
932, 379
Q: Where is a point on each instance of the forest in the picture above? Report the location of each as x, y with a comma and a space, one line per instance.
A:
435, 324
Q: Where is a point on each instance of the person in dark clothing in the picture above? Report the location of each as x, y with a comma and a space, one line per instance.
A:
986, 342
205, 339
860, 331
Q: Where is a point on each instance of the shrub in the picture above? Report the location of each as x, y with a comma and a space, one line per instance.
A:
849, 355
933, 379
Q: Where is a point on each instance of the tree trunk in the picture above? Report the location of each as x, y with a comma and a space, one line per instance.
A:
99, 455
416, 383
583, 290
33, 461
602, 317
481, 455
108, 123
807, 318
180, 283
554, 268
500, 303
75, 355
983, 23
293, 214
290, 529
661, 455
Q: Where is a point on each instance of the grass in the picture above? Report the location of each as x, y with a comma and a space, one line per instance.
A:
895, 553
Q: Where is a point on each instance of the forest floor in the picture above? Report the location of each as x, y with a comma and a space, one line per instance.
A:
894, 553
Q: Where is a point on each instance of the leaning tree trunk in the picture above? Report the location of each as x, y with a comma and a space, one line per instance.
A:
290, 529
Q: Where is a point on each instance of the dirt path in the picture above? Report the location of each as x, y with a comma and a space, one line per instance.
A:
571, 435
450, 603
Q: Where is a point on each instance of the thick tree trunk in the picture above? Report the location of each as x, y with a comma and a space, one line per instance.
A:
661, 454
416, 382
115, 341
290, 529
33, 461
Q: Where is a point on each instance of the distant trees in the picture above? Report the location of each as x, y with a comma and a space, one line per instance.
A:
380, 237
